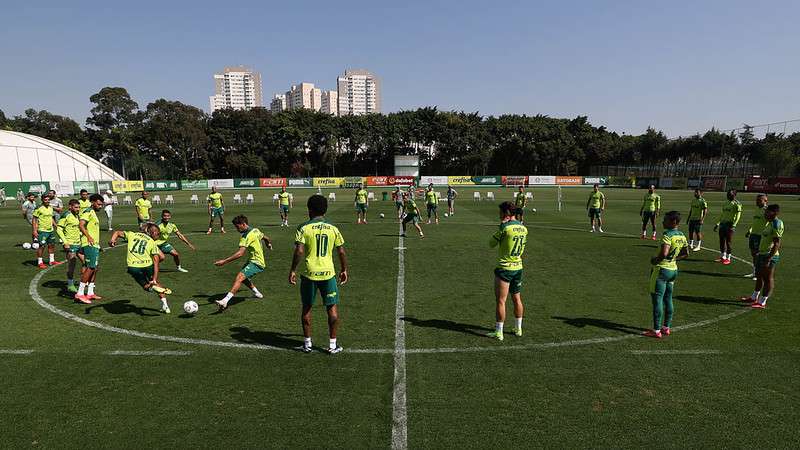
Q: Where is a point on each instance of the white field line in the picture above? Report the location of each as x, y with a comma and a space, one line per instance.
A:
10, 351
676, 352
399, 411
148, 353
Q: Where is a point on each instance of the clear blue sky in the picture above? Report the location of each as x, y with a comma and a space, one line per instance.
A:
680, 66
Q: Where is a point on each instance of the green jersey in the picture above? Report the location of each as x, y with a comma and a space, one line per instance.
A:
251, 240
696, 209
166, 230
677, 242
361, 196
92, 226
141, 248
510, 239
759, 221
283, 198
143, 208
771, 231
596, 199
215, 199
410, 207
731, 212
520, 201
431, 198
652, 202
319, 238
85, 205
68, 229
44, 217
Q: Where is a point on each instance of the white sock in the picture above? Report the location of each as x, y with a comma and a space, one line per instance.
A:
519, 322
699, 243
81, 288
498, 326
754, 295
39, 261
255, 290
332, 343
654, 232
164, 302
691, 243
52, 257
228, 296
763, 300
306, 342
91, 289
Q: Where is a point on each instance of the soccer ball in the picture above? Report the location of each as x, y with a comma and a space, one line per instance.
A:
446, 215
26, 245
190, 307
35, 245
381, 215
533, 209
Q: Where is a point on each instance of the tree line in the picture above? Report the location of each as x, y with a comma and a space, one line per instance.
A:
172, 140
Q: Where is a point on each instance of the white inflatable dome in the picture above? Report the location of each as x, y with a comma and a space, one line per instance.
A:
24, 157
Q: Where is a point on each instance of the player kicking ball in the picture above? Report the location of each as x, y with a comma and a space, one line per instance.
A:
69, 231
166, 228
250, 243
143, 259
412, 214
674, 247
316, 241
768, 256
510, 239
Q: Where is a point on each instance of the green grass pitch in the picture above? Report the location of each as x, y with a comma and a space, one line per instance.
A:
580, 377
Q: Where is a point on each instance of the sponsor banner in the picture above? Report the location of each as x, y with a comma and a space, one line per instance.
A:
299, 182
377, 181
90, 186
694, 183
119, 186
353, 182
62, 188
103, 186
713, 183
194, 185
224, 183
595, 180
734, 183
330, 182
161, 185
246, 183
435, 180
12, 187
541, 180
515, 180
646, 182
569, 181
780, 185
756, 184
665, 182
672, 183
488, 180
403, 180
272, 182
460, 181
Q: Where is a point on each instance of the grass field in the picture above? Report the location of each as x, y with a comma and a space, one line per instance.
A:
580, 377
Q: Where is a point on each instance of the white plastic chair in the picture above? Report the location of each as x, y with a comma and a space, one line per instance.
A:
157, 199
275, 199
127, 200
476, 196
194, 199
332, 197
439, 196
529, 195
170, 200
250, 199
490, 196
371, 196
237, 198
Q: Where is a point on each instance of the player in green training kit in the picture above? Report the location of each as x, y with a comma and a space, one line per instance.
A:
44, 230
89, 226
68, 229
412, 214
753, 234
165, 229
143, 207
595, 206
284, 203
250, 243
651, 207
83, 201
510, 239
143, 260
768, 257
216, 208
698, 211
726, 225
316, 241
662, 277
431, 203
362, 203
520, 202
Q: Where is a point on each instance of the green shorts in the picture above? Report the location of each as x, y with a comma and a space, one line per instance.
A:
519, 212
411, 218
142, 275
285, 209
73, 248
594, 213
512, 277
398, 204
763, 259
660, 278
431, 208
695, 226
328, 290
251, 269
754, 242
47, 237
217, 212
648, 215
166, 247
726, 227
361, 207
91, 256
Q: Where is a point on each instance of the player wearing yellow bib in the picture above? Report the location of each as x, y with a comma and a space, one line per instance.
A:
520, 202
510, 239
249, 243
595, 206
412, 214
651, 207
769, 255
665, 270
216, 208
284, 203
431, 203
84, 202
68, 229
90, 247
143, 207
697, 215
143, 260
316, 241
166, 229
44, 230
362, 203
726, 225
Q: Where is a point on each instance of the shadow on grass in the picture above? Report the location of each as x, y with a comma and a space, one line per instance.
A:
711, 301
388, 235
123, 307
581, 322
711, 274
448, 325
31, 262
271, 338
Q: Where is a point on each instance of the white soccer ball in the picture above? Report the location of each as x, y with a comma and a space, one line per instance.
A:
35, 245
191, 307
381, 215
446, 215
26, 245
533, 209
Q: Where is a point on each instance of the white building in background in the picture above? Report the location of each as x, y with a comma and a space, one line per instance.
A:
278, 103
237, 88
304, 95
359, 92
330, 102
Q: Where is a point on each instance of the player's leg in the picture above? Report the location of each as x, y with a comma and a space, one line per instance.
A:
177, 258
729, 245
501, 287
40, 254
329, 292
644, 224
515, 289
249, 283
657, 289
768, 281
653, 225
51, 248
308, 293
419, 229
666, 328
222, 304
221, 222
